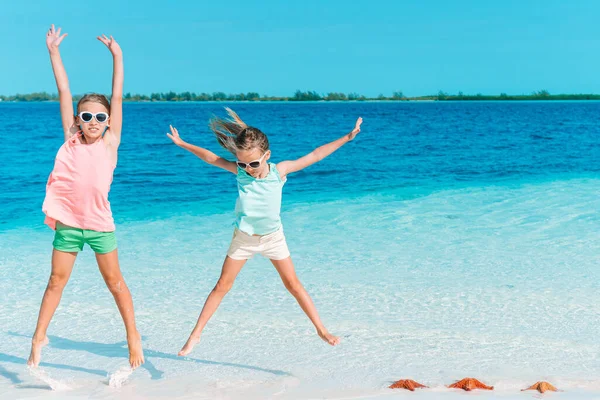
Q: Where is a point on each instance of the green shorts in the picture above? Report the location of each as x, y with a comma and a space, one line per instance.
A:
69, 239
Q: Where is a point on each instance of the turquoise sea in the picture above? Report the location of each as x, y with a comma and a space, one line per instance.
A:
450, 239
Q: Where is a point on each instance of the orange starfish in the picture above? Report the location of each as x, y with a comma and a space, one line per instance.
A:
541, 387
470, 384
408, 384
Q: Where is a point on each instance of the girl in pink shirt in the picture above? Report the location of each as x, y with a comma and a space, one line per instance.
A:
76, 203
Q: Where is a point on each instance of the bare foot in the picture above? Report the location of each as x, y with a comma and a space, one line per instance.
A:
329, 338
136, 353
189, 346
36, 351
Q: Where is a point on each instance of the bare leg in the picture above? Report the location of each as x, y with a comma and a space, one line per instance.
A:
62, 265
111, 272
229, 272
287, 273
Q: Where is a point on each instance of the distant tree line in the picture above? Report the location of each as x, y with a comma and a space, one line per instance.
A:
313, 96
538, 95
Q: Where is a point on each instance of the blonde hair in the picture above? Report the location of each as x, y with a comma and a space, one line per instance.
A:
234, 134
94, 98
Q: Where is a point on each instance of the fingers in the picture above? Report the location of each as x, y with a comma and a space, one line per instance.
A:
53, 32
174, 135
60, 39
358, 123
107, 40
104, 40
174, 138
54, 36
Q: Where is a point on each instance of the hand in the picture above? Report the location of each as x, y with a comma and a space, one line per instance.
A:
53, 38
112, 45
174, 136
356, 129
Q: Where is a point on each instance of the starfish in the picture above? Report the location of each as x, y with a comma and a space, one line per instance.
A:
541, 387
470, 384
408, 384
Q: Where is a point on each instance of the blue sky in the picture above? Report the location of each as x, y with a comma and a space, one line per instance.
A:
276, 47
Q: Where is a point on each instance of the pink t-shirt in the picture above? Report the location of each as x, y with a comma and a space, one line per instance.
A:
77, 189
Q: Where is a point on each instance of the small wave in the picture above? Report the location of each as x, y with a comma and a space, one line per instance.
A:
119, 377
43, 376
540, 137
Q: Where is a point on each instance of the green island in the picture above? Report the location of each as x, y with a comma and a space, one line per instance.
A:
312, 96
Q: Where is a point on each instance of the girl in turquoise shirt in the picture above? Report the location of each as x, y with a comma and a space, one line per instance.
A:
258, 227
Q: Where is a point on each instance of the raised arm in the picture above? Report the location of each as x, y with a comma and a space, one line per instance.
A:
206, 155
116, 100
53, 40
286, 167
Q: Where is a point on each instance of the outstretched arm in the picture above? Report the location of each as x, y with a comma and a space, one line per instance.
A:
286, 167
206, 155
116, 100
53, 40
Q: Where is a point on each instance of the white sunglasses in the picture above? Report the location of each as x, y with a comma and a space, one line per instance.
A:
252, 164
87, 116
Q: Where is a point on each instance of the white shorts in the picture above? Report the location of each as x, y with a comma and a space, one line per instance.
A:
244, 246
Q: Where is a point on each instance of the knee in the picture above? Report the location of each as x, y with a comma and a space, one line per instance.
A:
293, 286
116, 285
223, 286
57, 282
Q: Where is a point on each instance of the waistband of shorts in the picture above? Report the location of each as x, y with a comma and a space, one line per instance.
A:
237, 230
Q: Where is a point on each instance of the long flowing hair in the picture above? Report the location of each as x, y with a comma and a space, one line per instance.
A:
234, 134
